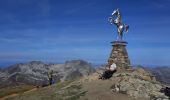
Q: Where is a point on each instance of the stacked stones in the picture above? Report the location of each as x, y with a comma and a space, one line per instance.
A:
119, 54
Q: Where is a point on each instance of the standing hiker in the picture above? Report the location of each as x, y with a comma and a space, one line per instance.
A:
50, 77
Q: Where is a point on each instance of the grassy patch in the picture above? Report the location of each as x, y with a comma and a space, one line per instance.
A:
76, 96
14, 90
62, 84
70, 92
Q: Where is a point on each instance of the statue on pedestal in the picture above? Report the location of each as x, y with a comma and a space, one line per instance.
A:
119, 53
116, 19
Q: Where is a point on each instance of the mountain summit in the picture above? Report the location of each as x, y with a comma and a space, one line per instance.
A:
134, 84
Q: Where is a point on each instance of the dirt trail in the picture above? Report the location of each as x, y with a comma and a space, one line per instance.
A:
16, 94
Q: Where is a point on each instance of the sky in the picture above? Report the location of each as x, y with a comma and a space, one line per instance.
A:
54, 31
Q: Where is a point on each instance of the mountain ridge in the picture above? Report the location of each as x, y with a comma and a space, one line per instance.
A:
36, 72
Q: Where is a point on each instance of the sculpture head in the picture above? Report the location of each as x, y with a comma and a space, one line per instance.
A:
116, 12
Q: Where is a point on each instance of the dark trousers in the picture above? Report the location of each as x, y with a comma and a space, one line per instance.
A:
50, 81
107, 74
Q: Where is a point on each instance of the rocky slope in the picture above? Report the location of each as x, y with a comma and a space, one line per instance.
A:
36, 72
162, 74
132, 84
137, 83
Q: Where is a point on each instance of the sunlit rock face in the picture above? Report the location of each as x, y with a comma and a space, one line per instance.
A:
138, 83
36, 72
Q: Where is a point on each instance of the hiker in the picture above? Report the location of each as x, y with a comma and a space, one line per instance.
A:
50, 77
110, 69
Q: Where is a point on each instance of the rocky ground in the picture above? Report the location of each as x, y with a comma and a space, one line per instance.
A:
94, 90
132, 84
137, 83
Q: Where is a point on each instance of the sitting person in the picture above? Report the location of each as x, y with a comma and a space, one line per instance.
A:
110, 69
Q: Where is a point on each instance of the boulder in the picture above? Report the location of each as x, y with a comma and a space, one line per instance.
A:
137, 83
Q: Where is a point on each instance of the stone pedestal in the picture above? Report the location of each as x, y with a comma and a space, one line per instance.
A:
119, 54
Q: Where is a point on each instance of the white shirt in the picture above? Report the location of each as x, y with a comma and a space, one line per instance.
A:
113, 67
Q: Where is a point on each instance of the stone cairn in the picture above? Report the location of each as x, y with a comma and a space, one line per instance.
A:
120, 55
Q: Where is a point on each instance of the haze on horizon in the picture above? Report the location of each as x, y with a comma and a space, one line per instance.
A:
60, 30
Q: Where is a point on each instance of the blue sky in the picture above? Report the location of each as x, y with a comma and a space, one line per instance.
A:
59, 30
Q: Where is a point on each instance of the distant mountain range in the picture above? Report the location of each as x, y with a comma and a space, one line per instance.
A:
162, 74
36, 72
